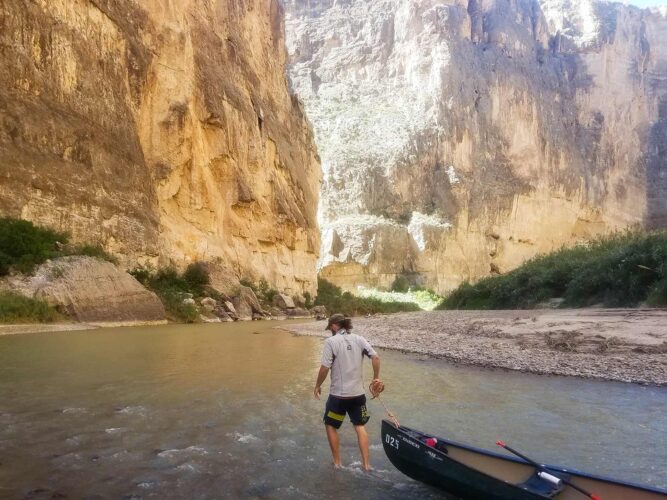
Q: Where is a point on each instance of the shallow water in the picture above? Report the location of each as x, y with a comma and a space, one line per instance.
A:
226, 411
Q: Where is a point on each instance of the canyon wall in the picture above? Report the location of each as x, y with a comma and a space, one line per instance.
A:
461, 137
161, 129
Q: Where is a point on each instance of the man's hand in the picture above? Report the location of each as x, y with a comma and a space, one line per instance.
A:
321, 377
376, 387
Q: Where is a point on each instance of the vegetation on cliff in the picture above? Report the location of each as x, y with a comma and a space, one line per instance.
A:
173, 288
621, 270
23, 246
337, 301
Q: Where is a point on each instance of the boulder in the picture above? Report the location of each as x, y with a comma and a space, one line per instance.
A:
222, 278
298, 312
283, 301
91, 290
319, 312
299, 301
246, 303
208, 304
229, 307
206, 318
224, 315
188, 301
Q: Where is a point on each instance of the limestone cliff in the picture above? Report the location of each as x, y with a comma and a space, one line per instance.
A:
163, 130
460, 137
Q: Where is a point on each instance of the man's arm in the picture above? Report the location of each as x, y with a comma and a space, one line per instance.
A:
375, 360
321, 377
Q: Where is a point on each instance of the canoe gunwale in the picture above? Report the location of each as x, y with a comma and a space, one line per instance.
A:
492, 454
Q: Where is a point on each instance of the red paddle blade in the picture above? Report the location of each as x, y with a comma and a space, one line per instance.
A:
502, 443
595, 497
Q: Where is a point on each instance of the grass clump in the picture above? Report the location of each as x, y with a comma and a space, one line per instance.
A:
620, 270
15, 308
23, 246
335, 300
173, 287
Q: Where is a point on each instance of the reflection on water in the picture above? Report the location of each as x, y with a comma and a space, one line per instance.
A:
226, 411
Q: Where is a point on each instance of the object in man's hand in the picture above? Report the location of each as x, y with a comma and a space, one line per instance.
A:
376, 387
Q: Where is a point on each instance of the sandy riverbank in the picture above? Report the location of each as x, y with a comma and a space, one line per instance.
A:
628, 345
15, 329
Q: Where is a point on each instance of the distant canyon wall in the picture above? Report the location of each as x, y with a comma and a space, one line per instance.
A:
461, 137
162, 130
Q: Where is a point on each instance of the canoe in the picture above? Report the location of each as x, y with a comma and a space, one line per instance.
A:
473, 473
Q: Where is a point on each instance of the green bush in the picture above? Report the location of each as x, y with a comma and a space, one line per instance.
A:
263, 291
196, 276
171, 287
621, 270
24, 245
15, 308
172, 299
401, 284
308, 300
337, 301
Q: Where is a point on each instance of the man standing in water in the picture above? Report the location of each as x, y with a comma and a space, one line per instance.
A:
343, 354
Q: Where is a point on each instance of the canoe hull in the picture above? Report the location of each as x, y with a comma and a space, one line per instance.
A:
470, 473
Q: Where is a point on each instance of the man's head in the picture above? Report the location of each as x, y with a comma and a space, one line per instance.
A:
338, 321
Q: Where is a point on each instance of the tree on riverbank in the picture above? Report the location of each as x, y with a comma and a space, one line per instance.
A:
621, 270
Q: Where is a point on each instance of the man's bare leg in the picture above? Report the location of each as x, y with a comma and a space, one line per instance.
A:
334, 444
362, 437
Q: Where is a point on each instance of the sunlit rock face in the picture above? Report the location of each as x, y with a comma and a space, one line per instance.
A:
161, 129
459, 138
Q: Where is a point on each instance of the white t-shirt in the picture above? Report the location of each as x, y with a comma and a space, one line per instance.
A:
344, 354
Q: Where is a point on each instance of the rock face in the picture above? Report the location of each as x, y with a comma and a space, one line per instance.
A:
91, 290
461, 137
162, 130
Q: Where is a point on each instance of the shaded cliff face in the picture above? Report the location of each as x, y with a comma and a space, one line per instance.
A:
163, 130
459, 138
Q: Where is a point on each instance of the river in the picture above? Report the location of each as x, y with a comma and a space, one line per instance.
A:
226, 411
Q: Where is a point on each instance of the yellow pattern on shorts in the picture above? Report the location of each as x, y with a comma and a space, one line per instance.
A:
336, 416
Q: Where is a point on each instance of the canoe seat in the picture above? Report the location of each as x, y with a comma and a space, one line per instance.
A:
543, 487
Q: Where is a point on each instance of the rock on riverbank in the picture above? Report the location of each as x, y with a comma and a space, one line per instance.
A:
90, 290
628, 345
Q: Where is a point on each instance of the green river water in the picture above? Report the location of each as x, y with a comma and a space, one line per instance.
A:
226, 411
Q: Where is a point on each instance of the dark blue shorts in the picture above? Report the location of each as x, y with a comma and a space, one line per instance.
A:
334, 412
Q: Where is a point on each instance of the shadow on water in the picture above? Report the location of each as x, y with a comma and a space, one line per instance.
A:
204, 411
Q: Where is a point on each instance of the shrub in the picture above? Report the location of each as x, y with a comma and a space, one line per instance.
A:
171, 287
337, 301
308, 300
24, 245
196, 277
265, 294
620, 270
175, 307
401, 284
15, 308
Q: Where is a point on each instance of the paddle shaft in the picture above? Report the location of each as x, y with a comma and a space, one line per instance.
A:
543, 468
